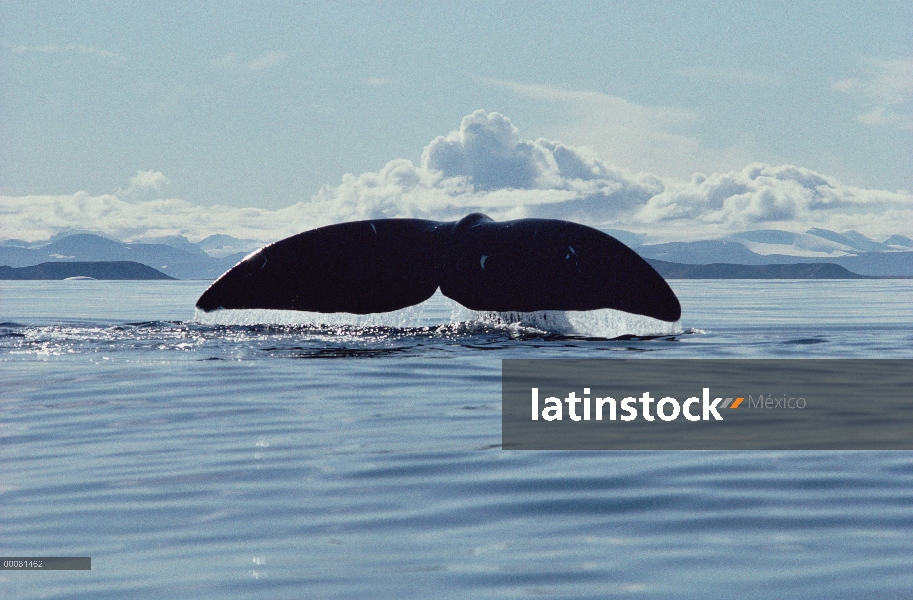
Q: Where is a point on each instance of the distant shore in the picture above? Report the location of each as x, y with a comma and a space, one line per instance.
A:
129, 270
670, 270
107, 270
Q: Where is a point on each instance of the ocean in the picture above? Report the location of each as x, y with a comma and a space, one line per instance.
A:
194, 456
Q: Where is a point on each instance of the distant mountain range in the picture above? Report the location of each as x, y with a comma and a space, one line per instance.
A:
207, 259
731, 271
850, 250
119, 270
174, 256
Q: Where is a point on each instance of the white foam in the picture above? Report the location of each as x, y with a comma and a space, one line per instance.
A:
602, 323
412, 316
440, 310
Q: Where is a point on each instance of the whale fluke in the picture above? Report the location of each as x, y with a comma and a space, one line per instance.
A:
386, 264
361, 267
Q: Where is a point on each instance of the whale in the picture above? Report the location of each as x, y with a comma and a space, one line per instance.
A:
381, 265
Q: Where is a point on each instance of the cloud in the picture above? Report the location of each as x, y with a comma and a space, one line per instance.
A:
887, 88
72, 49
378, 82
762, 196
39, 217
263, 62
148, 179
144, 185
646, 138
741, 76
486, 166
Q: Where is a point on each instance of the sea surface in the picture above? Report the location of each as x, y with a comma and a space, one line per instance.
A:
260, 455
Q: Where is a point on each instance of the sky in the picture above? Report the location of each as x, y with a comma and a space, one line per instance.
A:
679, 120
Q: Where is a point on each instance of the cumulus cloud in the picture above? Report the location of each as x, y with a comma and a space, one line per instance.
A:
887, 88
148, 179
773, 197
144, 185
654, 139
38, 217
486, 166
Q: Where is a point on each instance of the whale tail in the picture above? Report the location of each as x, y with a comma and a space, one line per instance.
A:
387, 264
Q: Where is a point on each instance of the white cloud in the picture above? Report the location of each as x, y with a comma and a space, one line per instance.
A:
378, 82
263, 62
486, 166
38, 217
887, 87
144, 185
148, 179
77, 49
742, 76
645, 138
773, 197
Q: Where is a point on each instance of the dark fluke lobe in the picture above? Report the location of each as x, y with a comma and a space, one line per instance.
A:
542, 264
361, 267
387, 264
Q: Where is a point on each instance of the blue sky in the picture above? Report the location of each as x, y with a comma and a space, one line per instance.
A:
249, 106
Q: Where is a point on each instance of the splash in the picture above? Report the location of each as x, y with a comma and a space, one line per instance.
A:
603, 323
412, 316
440, 310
